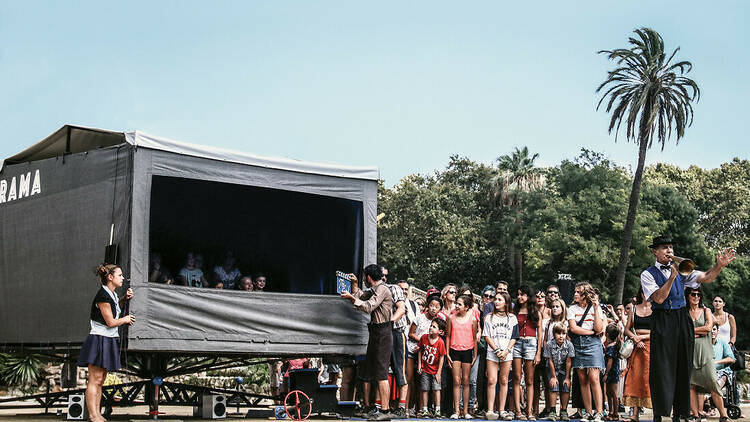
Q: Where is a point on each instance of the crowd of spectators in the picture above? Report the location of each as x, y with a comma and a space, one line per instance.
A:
451, 356
225, 275
497, 358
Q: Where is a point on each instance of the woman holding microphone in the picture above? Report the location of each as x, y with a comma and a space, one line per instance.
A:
100, 352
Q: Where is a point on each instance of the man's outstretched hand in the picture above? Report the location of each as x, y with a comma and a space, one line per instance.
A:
725, 257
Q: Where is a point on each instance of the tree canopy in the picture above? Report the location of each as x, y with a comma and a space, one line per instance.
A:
445, 227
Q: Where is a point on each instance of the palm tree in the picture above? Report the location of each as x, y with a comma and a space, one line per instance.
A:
650, 94
516, 175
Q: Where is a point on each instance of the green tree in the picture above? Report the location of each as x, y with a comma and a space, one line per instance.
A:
647, 93
721, 196
575, 224
516, 176
435, 227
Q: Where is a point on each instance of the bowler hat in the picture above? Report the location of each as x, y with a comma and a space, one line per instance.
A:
661, 240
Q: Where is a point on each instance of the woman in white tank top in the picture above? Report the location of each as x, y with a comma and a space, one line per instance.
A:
725, 321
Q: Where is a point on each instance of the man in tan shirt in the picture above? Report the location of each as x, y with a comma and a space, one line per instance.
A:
378, 302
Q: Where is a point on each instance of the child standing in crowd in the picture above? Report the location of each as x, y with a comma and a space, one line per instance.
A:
462, 341
586, 322
612, 371
430, 356
419, 327
559, 353
558, 315
528, 348
500, 333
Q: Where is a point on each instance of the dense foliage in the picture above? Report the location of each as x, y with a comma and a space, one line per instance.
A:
447, 227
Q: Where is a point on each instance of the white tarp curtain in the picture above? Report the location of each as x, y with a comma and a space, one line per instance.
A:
140, 139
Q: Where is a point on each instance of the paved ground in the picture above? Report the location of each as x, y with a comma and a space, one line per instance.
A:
138, 413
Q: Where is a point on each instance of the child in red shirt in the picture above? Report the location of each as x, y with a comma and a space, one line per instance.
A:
430, 356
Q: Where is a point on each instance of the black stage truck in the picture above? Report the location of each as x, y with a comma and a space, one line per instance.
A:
84, 196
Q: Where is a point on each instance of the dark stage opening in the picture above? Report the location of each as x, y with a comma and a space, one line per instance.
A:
297, 240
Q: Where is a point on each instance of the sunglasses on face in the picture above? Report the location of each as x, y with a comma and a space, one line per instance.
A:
451, 292
488, 295
540, 295
552, 292
695, 294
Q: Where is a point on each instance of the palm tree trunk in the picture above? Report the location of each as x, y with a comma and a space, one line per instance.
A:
627, 234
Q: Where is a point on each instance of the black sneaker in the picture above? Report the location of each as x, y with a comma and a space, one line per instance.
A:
398, 413
367, 412
380, 416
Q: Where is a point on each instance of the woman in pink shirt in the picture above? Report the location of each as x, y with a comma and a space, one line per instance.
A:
462, 342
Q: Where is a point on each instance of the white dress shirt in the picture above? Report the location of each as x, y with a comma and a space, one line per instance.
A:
649, 284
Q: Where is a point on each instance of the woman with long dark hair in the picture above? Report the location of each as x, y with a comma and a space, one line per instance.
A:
527, 351
99, 351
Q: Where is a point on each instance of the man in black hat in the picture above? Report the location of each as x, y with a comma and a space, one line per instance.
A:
672, 337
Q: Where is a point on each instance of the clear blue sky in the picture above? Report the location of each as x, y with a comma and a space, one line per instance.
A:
401, 85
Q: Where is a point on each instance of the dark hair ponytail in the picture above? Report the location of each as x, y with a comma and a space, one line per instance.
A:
104, 270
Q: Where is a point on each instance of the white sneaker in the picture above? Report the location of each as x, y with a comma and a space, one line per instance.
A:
491, 415
597, 417
454, 416
468, 416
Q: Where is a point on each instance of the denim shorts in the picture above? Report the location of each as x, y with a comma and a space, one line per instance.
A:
428, 382
525, 348
589, 352
560, 387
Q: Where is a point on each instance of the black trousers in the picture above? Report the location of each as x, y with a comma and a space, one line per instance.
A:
482, 376
672, 342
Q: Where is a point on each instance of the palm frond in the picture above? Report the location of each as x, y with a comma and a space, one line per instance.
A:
647, 91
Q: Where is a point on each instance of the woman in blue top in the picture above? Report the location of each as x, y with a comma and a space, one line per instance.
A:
99, 351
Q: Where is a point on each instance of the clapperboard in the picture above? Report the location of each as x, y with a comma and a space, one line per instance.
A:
342, 282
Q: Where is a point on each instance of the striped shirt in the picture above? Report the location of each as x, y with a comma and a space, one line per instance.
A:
398, 296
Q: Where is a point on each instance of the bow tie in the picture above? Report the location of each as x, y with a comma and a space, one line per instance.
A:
665, 267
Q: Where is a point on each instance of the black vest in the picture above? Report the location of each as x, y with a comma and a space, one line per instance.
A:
102, 296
